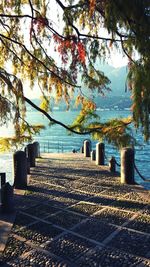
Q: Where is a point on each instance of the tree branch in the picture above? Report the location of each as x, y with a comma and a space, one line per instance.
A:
58, 122
42, 63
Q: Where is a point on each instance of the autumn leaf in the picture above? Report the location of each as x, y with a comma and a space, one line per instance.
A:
92, 6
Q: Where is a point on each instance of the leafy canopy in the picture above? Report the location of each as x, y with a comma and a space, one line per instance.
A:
59, 54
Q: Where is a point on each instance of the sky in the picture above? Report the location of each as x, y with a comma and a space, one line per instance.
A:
116, 60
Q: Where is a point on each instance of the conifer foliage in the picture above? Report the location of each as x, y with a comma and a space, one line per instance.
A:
54, 44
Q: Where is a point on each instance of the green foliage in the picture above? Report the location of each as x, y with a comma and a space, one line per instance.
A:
115, 131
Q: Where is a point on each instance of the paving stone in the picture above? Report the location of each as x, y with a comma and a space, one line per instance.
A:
85, 208
129, 241
65, 219
79, 196
112, 192
40, 197
129, 205
22, 220
95, 229
107, 182
92, 189
39, 232
140, 223
70, 247
102, 200
87, 180
42, 210
62, 202
113, 216
14, 248
49, 189
137, 197
146, 210
24, 202
75, 184
77, 190
107, 257
37, 258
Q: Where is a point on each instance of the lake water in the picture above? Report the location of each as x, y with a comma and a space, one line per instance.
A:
56, 139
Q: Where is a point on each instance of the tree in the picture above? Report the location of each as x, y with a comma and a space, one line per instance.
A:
31, 46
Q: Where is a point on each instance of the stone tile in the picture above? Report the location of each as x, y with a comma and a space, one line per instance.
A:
22, 220
135, 196
62, 202
78, 196
92, 189
129, 241
95, 229
140, 223
102, 200
39, 232
65, 219
85, 208
14, 249
42, 211
129, 205
70, 247
113, 216
107, 257
37, 258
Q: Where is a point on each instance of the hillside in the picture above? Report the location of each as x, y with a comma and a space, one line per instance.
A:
118, 77
117, 98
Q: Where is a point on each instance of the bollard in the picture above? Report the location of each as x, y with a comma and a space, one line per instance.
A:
7, 198
28, 160
3, 178
82, 150
112, 164
37, 149
100, 153
20, 170
87, 148
93, 155
127, 166
31, 154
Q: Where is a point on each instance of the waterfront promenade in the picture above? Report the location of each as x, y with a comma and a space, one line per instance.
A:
75, 213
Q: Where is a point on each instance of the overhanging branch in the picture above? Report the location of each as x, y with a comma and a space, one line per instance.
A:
58, 122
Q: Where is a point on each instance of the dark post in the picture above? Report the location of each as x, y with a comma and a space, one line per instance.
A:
20, 170
3, 178
93, 155
31, 154
112, 164
82, 149
37, 149
87, 148
28, 160
127, 165
100, 153
7, 198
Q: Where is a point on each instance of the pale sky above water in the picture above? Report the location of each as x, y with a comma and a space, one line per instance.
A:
116, 60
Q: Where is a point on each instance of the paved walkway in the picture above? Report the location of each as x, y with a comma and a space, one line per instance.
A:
77, 214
